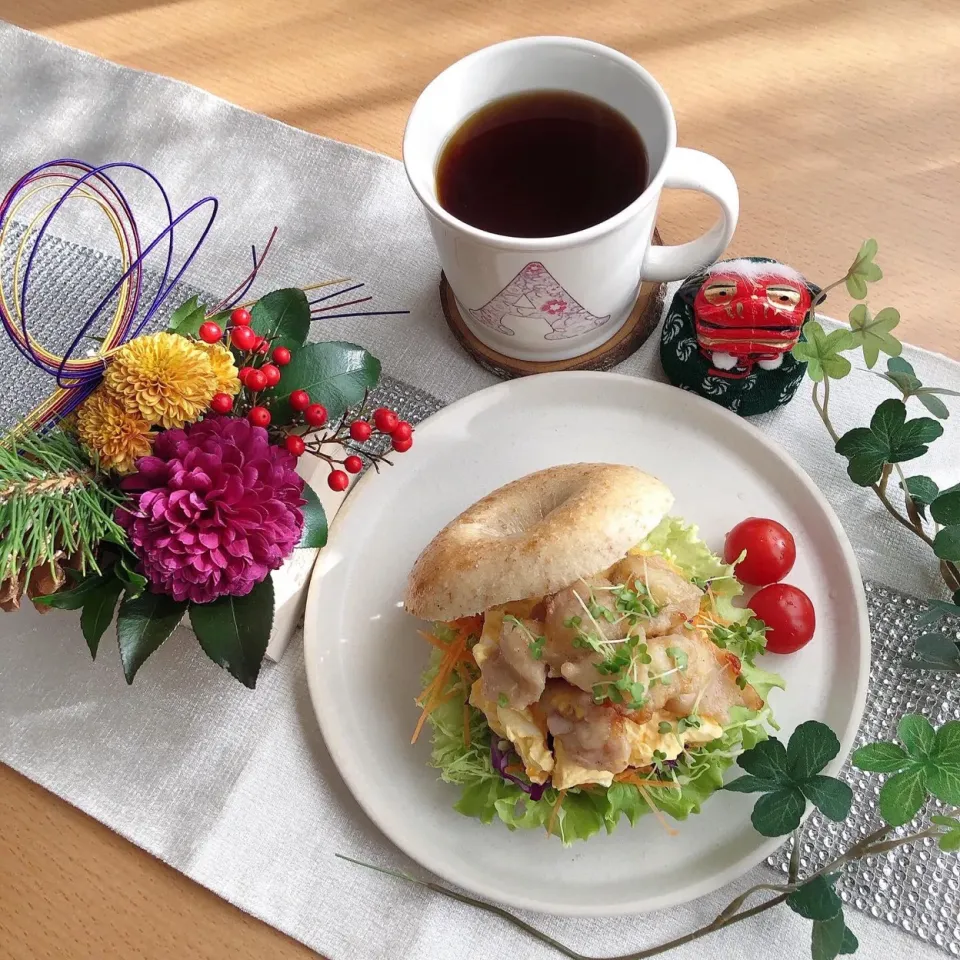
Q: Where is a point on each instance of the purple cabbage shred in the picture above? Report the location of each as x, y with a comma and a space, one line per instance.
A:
501, 759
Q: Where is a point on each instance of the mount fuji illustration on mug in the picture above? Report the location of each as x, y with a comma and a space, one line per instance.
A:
534, 293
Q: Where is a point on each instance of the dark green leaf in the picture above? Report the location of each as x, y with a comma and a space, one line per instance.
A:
283, 318
74, 598
903, 795
945, 509
933, 404
880, 758
779, 813
946, 544
827, 939
143, 623
890, 438
335, 374
767, 760
133, 583
234, 631
314, 520
812, 746
905, 439
97, 612
866, 454
922, 490
832, 797
936, 610
751, 784
937, 652
917, 735
816, 900
850, 942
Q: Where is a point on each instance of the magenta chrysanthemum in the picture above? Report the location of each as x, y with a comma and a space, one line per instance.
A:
215, 509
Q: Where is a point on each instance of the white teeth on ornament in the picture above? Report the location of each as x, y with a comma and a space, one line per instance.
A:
723, 361
771, 364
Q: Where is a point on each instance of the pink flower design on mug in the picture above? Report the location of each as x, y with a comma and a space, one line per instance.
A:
554, 307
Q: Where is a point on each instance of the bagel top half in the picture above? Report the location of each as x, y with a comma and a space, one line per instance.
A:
534, 537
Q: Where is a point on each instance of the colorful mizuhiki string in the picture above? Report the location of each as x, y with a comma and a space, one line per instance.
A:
33, 202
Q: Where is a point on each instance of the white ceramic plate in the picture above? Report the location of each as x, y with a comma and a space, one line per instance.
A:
364, 657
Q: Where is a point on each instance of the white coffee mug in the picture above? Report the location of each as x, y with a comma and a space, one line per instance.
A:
560, 297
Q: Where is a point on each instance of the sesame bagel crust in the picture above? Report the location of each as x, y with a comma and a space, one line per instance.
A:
535, 536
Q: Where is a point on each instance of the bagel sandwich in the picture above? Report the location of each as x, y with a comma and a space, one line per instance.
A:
588, 662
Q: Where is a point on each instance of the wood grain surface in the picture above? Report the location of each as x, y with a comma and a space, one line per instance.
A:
840, 119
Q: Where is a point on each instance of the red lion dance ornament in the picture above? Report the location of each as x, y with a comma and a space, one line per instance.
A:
747, 314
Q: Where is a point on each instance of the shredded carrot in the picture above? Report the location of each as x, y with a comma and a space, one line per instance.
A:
454, 653
514, 770
661, 819
630, 776
554, 812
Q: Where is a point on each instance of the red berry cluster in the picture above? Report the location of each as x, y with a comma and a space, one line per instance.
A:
352, 429
255, 375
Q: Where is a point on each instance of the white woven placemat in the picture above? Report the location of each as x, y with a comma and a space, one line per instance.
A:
237, 790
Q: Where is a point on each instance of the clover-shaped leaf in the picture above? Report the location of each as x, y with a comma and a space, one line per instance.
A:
821, 351
873, 333
928, 763
789, 776
863, 270
890, 438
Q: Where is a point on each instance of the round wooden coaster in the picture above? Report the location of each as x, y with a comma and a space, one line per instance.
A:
638, 326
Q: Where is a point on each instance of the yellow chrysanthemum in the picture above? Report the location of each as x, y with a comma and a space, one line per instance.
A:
113, 433
224, 369
164, 377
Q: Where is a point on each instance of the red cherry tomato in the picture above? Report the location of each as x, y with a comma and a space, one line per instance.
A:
770, 547
788, 613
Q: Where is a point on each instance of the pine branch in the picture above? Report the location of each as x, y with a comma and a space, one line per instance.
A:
52, 504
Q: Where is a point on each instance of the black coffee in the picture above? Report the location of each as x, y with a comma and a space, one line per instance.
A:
541, 164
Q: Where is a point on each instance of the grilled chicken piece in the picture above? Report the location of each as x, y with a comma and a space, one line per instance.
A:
677, 599
705, 682
589, 731
592, 735
559, 650
510, 668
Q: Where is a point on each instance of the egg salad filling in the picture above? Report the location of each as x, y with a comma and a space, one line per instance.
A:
628, 692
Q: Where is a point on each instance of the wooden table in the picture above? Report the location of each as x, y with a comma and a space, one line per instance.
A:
840, 119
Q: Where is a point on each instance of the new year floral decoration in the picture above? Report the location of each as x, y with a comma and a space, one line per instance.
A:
159, 481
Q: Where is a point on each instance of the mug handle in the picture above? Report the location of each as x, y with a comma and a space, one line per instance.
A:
693, 170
